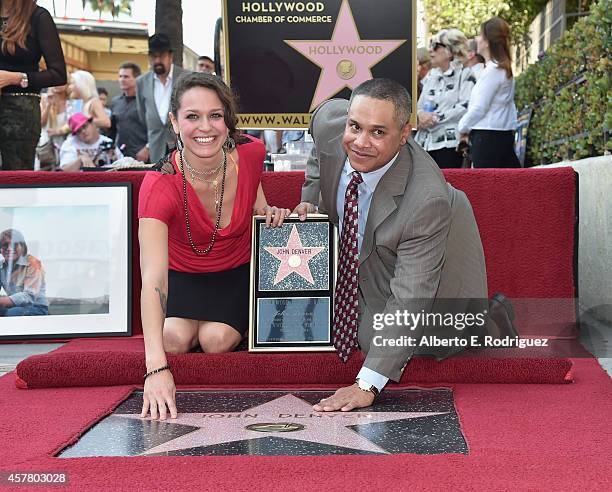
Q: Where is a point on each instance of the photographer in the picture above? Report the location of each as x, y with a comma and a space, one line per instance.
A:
86, 147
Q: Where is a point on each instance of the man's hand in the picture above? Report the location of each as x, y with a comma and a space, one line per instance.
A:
345, 400
86, 160
143, 155
303, 209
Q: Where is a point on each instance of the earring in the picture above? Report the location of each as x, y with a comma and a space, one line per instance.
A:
229, 143
179, 143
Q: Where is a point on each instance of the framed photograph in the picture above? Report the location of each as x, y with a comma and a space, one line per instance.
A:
293, 269
65, 261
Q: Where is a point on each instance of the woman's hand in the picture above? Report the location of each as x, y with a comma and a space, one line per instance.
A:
274, 215
9, 78
427, 120
159, 393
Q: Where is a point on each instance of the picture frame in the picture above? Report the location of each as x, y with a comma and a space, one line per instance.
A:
65, 261
293, 272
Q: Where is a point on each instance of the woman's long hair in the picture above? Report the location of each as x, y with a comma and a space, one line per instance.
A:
18, 26
497, 32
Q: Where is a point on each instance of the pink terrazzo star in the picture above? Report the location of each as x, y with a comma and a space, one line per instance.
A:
329, 428
345, 59
294, 257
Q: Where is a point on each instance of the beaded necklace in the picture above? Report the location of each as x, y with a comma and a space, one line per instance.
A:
195, 249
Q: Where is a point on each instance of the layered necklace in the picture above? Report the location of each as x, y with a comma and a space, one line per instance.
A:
208, 176
205, 177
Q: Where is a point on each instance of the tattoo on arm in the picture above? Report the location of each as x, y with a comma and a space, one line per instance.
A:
163, 299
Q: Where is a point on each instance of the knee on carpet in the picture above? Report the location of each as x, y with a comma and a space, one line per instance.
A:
216, 338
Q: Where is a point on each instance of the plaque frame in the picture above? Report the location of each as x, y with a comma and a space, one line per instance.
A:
318, 301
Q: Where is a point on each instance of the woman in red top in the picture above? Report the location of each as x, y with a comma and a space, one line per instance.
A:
195, 234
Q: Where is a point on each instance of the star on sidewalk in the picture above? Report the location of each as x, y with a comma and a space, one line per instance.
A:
345, 59
294, 257
291, 412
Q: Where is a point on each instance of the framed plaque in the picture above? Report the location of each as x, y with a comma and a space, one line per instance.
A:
293, 270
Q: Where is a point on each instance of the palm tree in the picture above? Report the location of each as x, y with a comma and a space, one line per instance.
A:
115, 7
169, 20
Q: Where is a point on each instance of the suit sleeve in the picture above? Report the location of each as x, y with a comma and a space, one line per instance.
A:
140, 101
420, 257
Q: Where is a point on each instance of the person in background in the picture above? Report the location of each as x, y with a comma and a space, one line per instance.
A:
424, 67
195, 241
55, 129
491, 120
27, 33
474, 60
444, 99
83, 86
131, 133
153, 90
103, 96
86, 147
22, 277
206, 64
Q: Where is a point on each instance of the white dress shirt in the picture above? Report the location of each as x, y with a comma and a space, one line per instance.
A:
162, 93
491, 105
365, 191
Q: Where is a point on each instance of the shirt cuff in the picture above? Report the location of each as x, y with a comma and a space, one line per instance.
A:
373, 378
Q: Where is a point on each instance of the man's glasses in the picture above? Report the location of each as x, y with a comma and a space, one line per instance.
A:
435, 46
80, 130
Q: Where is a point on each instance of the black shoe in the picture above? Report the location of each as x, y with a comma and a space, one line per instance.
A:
501, 317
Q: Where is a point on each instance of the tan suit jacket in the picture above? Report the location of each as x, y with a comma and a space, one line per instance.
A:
421, 244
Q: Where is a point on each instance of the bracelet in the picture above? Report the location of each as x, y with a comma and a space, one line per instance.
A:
155, 371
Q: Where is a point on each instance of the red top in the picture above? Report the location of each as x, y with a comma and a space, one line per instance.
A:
161, 198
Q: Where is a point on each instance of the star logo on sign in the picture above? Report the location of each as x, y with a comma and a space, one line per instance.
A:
294, 257
345, 59
286, 417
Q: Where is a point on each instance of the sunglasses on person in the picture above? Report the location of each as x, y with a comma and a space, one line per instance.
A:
435, 46
83, 128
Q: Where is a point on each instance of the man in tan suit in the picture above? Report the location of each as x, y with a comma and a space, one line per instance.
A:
418, 240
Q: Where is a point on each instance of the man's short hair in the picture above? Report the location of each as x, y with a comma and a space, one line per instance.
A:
102, 90
134, 67
204, 57
387, 90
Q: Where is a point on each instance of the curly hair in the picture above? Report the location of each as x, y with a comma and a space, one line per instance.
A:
455, 42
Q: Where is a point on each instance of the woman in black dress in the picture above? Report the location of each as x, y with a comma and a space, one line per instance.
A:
27, 33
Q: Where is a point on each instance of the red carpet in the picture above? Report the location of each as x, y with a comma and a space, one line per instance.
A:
520, 437
526, 219
109, 362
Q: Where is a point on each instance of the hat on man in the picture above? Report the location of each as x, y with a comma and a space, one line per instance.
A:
77, 121
159, 43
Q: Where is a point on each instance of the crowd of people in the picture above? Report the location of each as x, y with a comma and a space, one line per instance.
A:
466, 98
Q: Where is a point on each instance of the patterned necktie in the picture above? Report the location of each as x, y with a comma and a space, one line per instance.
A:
345, 302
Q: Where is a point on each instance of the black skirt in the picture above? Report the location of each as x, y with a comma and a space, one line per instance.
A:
214, 296
493, 148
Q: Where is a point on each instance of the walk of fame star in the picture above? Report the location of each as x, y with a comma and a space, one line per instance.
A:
294, 257
345, 59
302, 424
